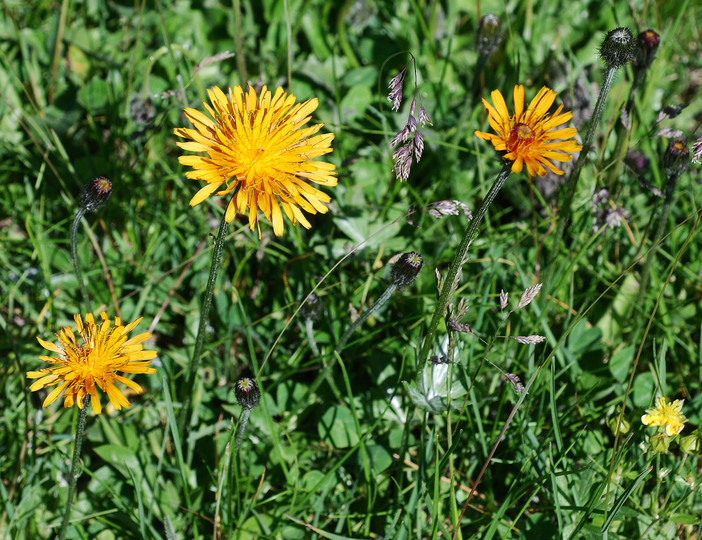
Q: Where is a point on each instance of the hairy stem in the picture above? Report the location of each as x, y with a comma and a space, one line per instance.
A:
83, 302
75, 467
202, 327
459, 256
356, 325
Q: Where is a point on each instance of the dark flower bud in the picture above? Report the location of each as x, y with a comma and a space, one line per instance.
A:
95, 193
670, 111
312, 309
406, 269
646, 48
489, 35
676, 158
618, 47
247, 393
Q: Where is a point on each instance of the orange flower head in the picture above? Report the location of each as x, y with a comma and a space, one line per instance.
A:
82, 368
529, 137
259, 148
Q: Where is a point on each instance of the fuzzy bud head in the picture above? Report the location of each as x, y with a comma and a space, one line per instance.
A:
95, 193
247, 393
618, 47
489, 35
312, 309
406, 269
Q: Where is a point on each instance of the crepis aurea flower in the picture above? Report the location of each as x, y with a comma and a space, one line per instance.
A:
668, 416
676, 158
647, 46
528, 137
82, 368
258, 149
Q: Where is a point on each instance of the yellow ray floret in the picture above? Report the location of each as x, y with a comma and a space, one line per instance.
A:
82, 368
528, 137
259, 147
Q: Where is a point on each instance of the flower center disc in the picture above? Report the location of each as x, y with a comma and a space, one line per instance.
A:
521, 133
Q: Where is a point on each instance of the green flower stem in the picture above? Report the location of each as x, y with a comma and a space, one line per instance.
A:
459, 256
242, 428
309, 324
622, 132
75, 467
662, 222
202, 327
355, 326
83, 302
579, 164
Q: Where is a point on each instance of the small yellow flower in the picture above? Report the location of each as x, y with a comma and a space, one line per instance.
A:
666, 415
528, 137
81, 369
260, 149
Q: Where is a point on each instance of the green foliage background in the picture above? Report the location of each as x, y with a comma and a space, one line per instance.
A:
365, 444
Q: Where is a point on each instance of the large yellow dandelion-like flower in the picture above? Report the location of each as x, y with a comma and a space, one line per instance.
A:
260, 148
81, 369
528, 137
667, 415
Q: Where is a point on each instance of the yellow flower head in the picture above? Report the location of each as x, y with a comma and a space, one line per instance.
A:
528, 137
259, 148
81, 369
667, 415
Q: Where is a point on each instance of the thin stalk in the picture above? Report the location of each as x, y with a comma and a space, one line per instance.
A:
356, 325
75, 467
202, 327
309, 331
76, 263
572, 183
623, 134
662, 222
242, 428
239, 45
459, 256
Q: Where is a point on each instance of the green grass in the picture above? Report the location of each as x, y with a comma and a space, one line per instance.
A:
368, 443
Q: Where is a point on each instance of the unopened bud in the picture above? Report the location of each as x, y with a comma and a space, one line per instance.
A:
489, 35
692, 444
646, 48
676, 158
312, 308
618, 47
95, 193
406, 269
247, 393
660, 443
624, 425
